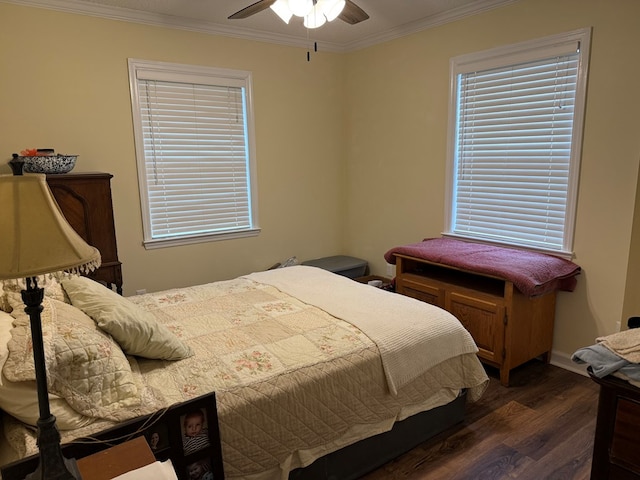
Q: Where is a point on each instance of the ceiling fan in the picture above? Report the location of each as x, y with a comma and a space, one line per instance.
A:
351, 13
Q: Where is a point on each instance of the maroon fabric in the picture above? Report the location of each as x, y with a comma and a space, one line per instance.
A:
532, 273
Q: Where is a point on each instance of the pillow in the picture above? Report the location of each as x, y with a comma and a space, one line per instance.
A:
84, 365
6, 324
136, 330
51, 285
20, 399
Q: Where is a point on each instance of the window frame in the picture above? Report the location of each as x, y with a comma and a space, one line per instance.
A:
192, 74
505, 56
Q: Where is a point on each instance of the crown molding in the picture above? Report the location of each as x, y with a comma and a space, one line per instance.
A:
427, 23
167, 21
211, 28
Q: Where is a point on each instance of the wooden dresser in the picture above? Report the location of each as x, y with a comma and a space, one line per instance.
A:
508, 327
85, 200
617, 438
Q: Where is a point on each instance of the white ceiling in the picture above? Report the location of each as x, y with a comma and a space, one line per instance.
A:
388, 18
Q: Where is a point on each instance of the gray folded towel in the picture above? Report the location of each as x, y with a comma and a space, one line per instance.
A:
604, 362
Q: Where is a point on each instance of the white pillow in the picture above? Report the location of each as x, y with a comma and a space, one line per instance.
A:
135, 329
20, 399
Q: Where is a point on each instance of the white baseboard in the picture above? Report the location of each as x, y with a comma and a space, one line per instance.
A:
562, 360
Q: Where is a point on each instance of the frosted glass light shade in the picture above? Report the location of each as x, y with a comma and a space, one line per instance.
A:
300, 8
332, 8
316, 18
281, 7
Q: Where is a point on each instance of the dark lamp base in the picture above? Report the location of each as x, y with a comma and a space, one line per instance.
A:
53, 465
71, 472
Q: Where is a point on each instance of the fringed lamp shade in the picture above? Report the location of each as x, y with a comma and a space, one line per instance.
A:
35, 238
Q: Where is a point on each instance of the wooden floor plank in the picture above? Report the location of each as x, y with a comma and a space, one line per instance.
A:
539, 428
564, 415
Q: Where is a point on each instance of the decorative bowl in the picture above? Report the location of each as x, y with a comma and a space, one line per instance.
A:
49, 163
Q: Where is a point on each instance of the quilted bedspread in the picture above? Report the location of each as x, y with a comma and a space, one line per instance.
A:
292, 382
394, 322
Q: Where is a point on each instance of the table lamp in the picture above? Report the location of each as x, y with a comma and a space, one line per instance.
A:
36, 240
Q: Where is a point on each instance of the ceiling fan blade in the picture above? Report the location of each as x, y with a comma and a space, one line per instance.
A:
352, 14
252, 9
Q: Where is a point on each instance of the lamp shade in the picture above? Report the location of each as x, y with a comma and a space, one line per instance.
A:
35, 238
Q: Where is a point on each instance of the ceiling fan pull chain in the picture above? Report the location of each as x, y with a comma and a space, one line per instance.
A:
315, 49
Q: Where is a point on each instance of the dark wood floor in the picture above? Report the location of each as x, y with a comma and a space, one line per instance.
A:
540, 428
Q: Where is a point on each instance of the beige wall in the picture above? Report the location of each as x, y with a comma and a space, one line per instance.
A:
64, 85
631, 306
396, 149
351, 148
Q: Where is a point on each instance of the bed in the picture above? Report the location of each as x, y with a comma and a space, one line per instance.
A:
306, 365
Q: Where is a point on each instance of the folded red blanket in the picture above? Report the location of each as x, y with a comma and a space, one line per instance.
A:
532, 273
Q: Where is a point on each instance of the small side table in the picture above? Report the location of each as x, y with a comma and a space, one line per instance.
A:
116, 460
617, 438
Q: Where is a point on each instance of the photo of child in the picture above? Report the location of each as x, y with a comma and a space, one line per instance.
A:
195, 432
199, 470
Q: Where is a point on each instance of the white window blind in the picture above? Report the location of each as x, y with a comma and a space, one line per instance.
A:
194, 156
516, 149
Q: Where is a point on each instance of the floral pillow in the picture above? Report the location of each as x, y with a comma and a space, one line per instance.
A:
51, 285
84, 365
6, 322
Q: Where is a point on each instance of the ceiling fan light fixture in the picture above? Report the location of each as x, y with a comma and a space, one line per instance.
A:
281, 7
332, 8
316, 18
345, 10
300, 8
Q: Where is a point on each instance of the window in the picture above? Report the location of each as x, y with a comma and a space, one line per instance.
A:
194, 147
515, 141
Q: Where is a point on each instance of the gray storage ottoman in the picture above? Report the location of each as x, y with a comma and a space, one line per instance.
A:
341, 264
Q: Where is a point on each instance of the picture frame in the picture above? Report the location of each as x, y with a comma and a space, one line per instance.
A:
167, 434
195, 448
